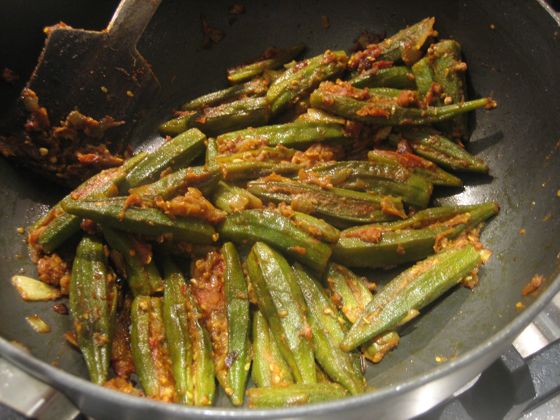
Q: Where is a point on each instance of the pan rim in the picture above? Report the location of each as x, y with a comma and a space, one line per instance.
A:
62, 380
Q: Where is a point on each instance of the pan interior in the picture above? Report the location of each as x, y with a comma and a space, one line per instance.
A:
513, 54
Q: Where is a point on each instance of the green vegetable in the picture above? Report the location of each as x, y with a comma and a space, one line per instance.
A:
398, 77
93, 305
328, 333
268, 226
382, 110
142, 221
282, 304
273, 58
150, 350
269, 367
340, 207
304, 76
403, 297
175, 153
142, 277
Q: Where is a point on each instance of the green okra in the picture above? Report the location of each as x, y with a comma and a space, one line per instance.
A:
383, 110
340, 207
230, 198
203, 371
173, 154
406, 45
238, 359
381, 177
269, 367
314, 115
142, 277
387, 91
385, 245
293, 395
150, 350
277, 154
272, 59
257, 87
204, 178
244, 112
417, 165
316, 227
328, 333
243, 171
57, 226
282, 304
297, 135
423, 76
403, 297
351, 295
398, 77
449, 73
175, 318
432, 145
142, 221
93, 305
211, 152
177, 125
268, 226
300, 79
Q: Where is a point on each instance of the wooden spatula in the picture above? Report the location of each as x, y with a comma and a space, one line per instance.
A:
99, 74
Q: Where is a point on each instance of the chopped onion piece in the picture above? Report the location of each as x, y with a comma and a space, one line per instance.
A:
34, 290
38, 324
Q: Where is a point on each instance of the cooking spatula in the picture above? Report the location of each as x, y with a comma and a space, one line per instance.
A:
98, 73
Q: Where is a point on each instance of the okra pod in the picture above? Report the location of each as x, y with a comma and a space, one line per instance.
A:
297, 135
230, 198
411, 291
328, 333
142, 276
418, 165
351, 295
398, 77
175, 153
385, 245
150, 350
404, 46
204, 384
314, 115
57, 226
338, 99
177, 125
293, 395
268, 226
316, 227
282, 304
93, 305
340, 207
300, 79
211, 152
381, 177
269, 367
243, 171
257, 87
202, 177
449, 73
238, 359
432, 145
175, 318
244, 112
424, 78
142, 221
275, 154
272, 59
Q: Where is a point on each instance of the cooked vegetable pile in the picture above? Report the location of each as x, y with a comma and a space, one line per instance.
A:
227, 252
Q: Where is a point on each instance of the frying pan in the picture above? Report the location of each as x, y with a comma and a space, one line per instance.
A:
513, 52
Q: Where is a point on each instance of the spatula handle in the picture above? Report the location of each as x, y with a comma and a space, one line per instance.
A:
129, 21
